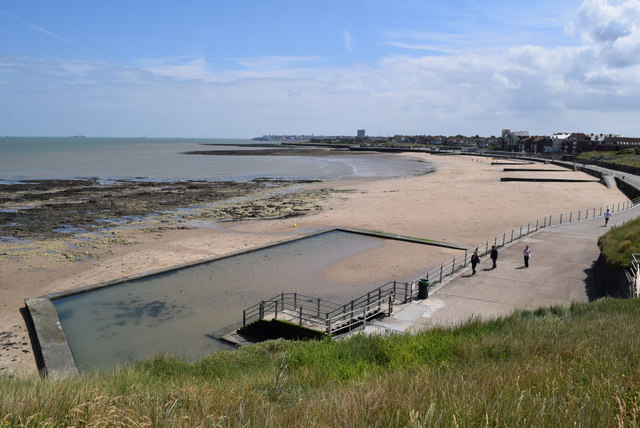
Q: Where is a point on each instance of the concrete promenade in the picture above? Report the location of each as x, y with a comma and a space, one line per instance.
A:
560, 272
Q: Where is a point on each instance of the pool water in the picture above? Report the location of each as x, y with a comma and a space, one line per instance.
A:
183, 312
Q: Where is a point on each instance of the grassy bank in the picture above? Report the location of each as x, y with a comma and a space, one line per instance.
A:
576, 366
614, 159
619, 243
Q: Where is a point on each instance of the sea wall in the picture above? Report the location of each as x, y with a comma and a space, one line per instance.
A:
611, 282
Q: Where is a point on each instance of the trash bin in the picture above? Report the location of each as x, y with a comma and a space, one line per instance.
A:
423, 289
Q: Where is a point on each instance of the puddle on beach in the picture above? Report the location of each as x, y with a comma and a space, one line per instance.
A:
183, 312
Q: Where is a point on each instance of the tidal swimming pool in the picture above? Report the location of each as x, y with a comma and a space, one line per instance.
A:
184, 312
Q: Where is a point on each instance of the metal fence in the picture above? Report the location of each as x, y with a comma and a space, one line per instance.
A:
453, 265
336, 317
328, 316
307, 309
633, 273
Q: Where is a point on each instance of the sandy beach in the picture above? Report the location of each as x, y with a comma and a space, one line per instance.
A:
462, 202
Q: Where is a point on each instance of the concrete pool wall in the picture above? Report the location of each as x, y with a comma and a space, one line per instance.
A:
139, 318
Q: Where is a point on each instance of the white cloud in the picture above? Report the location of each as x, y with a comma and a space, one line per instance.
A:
611, 33
348, 41
593, 87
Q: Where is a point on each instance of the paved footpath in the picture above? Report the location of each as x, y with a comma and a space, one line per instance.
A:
560, 272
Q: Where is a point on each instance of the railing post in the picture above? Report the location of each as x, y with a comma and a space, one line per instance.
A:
465, 259
560, 218
368, 297
300, 319
453, 265
276, 302
600, 210
511, 235
549, 220
261, 309
579, 214
545, 223
244, 318
570, 215
390, 306
594, 213
318, 308
495, 241
528, 228
486, 247
295, 299
503, 238
328, 325
520, 232
618, 206
441, 266
282, 299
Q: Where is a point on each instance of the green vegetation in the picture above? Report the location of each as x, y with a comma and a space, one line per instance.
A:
576, 366
629, 157
619, 243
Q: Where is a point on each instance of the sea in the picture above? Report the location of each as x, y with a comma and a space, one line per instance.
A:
163, 159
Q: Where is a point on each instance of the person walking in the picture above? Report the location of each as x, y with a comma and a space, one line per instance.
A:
494, 256
527, 255
474, 262
607, 216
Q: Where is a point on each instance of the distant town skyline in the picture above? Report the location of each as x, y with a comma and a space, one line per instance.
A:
244, 69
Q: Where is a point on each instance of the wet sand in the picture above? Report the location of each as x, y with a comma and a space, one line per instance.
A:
463, 202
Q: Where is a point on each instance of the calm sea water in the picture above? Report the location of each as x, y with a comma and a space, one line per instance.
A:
163, 159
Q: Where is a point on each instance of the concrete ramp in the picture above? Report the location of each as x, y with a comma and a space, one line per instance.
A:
609, 181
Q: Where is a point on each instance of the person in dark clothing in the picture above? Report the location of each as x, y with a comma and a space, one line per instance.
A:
474, 262
494, 256
527, 255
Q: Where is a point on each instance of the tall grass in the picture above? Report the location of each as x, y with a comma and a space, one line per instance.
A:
575, 366
619, 243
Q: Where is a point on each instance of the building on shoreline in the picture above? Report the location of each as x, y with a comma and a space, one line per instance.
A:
516, 141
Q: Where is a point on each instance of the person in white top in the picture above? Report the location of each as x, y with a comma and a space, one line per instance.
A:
607, 216
527, 254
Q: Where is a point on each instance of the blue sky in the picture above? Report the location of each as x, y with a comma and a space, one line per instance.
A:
246, 68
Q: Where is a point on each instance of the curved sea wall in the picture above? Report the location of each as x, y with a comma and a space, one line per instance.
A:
610, 281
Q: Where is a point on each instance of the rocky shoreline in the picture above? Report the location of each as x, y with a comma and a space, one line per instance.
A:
46, 209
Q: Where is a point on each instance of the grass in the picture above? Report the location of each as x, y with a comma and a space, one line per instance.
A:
613, 159
559, 366
619, 243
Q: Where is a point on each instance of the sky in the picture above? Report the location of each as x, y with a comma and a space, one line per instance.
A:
241, 69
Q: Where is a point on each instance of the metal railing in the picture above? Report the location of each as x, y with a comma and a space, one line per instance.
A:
400, 291
633, 273
453, 265
344, 322
369, 327
329, 316
336, 317
307, 309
